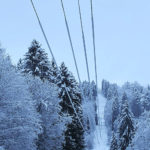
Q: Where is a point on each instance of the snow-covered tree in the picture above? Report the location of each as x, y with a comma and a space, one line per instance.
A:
115, 109
123, 101
112, 90
89, 93
54, 73
109, 90
112, 107
142, 135
47, 105
94, 90
36, 61
125, 126
89, 90
74, 135
145, 100
135, 104
138, 100
19, 122
108, 118
134, 93
105, 87
88, 122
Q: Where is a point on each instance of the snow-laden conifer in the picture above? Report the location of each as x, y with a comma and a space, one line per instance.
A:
36, 61
47, 104
19, 122
125, 125
74, 134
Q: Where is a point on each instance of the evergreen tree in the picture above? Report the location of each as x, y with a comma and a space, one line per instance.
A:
124, 98
36, 61
47, 103
142, 135
74, 139
126, 126
145, 100
94, 91
19, 121
89, 112
114, 145
115, 110
105, 87
54, 73
136, 104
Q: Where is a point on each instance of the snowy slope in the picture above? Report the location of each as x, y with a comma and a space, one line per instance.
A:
100, 141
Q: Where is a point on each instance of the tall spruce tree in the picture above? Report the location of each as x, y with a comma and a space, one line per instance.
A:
54, 73
36, 61
74, 135
126, 125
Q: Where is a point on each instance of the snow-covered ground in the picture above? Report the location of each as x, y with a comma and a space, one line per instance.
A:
100, 141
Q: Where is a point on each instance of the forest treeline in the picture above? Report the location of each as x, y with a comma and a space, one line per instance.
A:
127, 115
35, 111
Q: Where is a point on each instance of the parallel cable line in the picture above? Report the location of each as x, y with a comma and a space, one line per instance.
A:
69, 35
44, 34
71, 44
94, 49
70, 40
84, 43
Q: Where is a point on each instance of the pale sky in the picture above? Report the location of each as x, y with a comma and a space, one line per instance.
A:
122, 35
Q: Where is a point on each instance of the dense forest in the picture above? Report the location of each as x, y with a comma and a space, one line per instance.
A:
35, 111
127, 115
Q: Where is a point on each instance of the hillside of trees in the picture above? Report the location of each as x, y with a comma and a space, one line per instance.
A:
127, 114
35, 110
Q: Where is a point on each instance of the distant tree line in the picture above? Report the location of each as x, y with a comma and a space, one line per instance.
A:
127, 115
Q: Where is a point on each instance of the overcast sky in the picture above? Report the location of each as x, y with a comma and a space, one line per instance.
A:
122, 35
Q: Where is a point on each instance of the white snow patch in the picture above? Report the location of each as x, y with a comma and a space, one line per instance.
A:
100, 141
